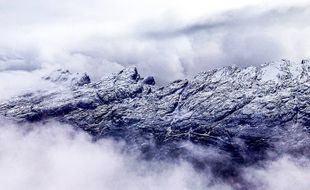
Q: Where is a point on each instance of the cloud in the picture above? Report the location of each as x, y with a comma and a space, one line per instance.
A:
14, 83
247, 18
285, 173
55, 156
243, 37
100, 37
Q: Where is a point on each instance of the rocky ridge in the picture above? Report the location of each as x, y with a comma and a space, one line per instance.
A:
245, 113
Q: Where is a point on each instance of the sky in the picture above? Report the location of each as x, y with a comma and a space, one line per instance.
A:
167, 39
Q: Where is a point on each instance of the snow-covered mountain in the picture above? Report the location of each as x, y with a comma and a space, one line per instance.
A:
249, 114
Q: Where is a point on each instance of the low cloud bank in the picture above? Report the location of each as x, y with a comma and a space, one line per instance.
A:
55, 156
285, 173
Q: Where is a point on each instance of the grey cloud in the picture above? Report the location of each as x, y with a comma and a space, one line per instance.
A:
244, 37
25, 61
249, 17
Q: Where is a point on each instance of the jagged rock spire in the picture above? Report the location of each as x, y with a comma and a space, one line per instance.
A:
67, 78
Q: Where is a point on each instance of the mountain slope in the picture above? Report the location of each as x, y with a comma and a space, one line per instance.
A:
245, 113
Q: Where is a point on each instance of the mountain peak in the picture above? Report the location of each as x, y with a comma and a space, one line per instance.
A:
65, 77
129, 73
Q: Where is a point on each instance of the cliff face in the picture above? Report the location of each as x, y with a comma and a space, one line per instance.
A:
244, 112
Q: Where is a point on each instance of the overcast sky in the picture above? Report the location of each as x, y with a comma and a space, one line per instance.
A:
168, 39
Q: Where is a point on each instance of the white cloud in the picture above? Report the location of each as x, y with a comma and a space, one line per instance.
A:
284, 174
55, 156
14, 83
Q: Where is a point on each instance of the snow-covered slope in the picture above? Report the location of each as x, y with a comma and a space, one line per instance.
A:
243, 112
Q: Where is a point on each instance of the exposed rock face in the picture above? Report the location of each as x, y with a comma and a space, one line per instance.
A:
242, 112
